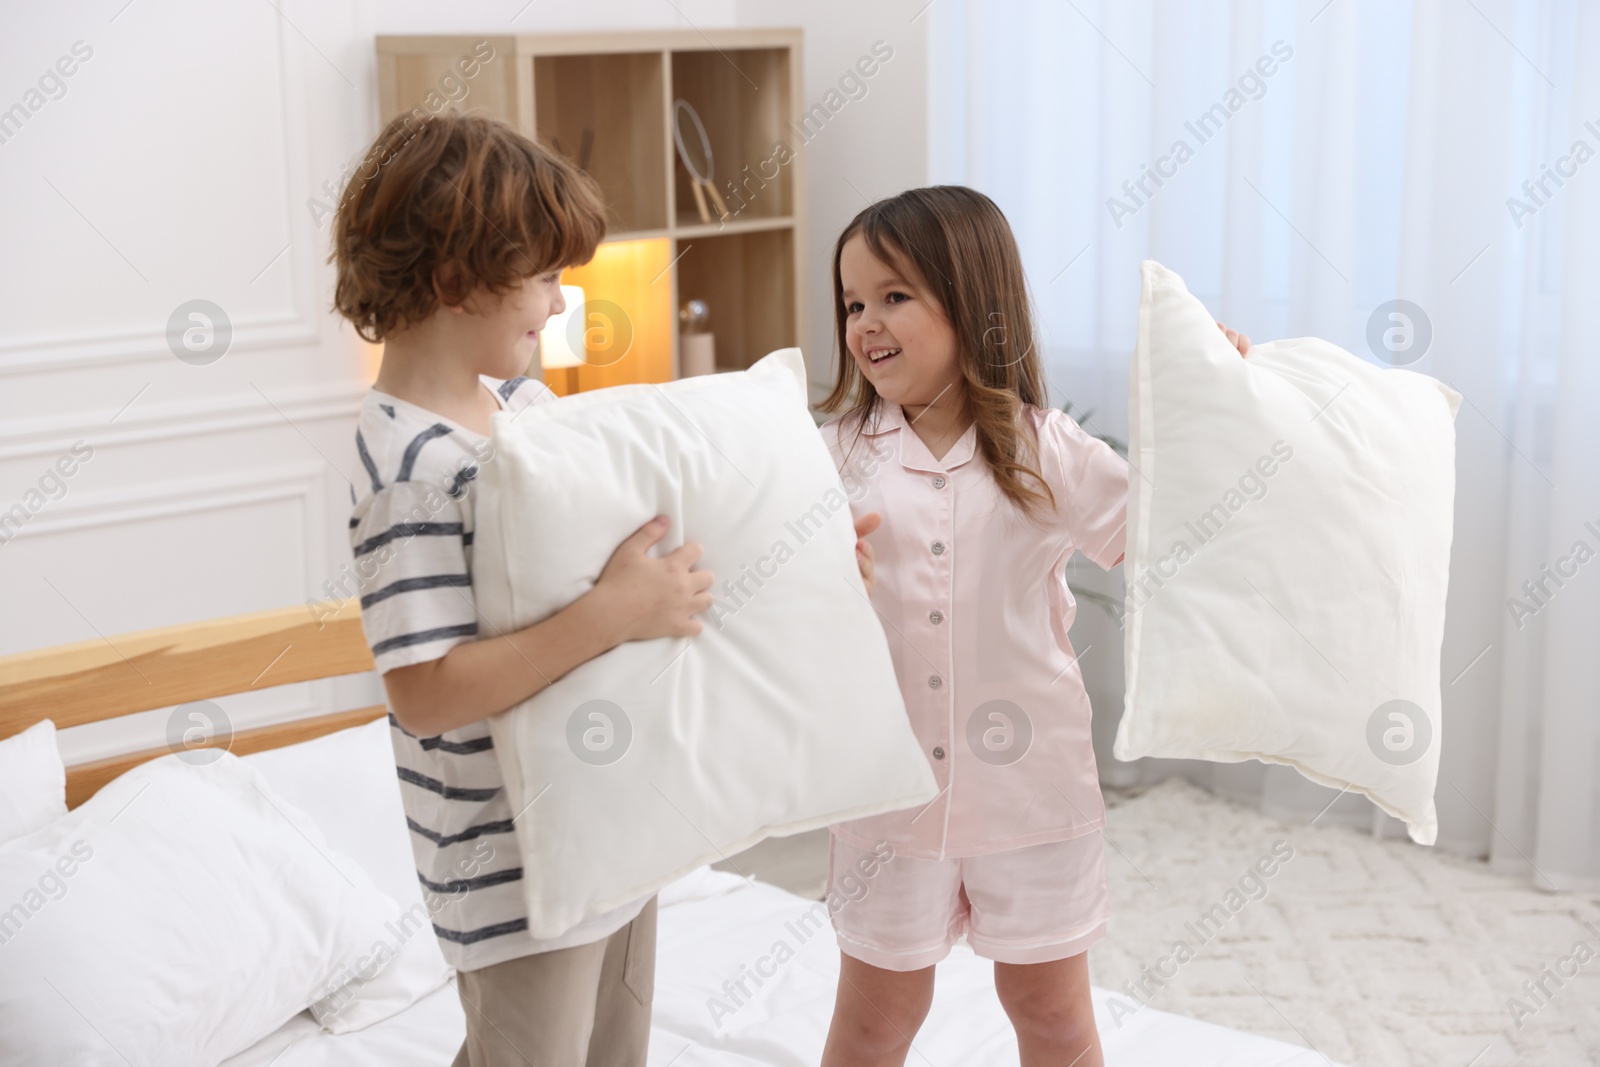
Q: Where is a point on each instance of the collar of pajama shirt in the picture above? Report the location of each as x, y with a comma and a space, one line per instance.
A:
975, 607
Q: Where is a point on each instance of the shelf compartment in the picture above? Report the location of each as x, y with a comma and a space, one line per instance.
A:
618, 96
747, 281
629, 286
743, 98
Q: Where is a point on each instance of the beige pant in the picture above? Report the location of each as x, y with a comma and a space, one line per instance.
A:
585, 1006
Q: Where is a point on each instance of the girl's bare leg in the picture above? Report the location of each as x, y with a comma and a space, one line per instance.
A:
876, 1014
1049, 1005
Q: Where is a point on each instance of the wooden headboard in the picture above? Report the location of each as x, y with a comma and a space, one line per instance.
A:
92, 681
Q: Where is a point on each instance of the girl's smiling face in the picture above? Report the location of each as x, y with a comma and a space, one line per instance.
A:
896, 331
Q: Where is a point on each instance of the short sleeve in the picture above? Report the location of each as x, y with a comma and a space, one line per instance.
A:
410, 563
1091, 488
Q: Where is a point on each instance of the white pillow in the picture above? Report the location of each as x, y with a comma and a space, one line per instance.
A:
346, 783
33, 783
1288, 554
178, 916
782, 715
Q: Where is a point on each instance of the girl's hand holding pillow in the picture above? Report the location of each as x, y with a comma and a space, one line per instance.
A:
1237, 339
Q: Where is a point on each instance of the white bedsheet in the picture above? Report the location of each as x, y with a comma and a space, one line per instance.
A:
715, 927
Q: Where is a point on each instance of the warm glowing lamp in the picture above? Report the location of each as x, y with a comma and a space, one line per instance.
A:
556, 341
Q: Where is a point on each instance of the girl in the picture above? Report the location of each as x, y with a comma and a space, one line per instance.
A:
985, 491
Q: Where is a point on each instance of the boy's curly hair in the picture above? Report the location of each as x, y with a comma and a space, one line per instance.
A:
461, 199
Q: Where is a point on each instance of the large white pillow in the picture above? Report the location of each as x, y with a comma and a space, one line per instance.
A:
346, 782
33, 782
782, 715
1288, 555
178, 916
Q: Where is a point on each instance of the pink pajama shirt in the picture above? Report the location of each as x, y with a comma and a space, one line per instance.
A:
975, 606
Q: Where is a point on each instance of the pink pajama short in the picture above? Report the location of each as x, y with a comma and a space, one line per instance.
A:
1026, 905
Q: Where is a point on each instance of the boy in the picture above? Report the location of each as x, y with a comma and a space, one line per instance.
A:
449, 243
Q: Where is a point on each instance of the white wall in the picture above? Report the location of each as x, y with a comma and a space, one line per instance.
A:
175, 163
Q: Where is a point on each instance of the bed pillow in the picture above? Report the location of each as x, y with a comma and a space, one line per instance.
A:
1288, 555
782, 715
33, 782
345, 781
178, 916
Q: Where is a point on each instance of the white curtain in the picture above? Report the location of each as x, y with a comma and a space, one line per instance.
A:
1363, 151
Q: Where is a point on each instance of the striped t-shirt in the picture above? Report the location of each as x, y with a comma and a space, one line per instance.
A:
411, 534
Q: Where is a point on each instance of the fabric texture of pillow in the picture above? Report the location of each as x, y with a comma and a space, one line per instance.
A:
33, 782
1288, 557
178, 916
782, 715
346, 783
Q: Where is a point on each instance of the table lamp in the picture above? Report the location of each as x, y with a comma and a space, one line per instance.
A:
561, 341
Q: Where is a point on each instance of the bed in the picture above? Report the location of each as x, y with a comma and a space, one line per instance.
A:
745, 970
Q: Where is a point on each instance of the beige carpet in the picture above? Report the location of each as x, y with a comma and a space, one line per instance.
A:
1374, 953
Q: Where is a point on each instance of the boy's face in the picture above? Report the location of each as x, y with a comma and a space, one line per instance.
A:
502, 331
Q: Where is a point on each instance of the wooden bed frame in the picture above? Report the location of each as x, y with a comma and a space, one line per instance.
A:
106, 678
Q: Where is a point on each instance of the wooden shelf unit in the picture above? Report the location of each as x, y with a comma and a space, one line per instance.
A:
658, 253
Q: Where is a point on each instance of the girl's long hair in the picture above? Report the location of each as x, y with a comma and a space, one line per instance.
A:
955, 244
